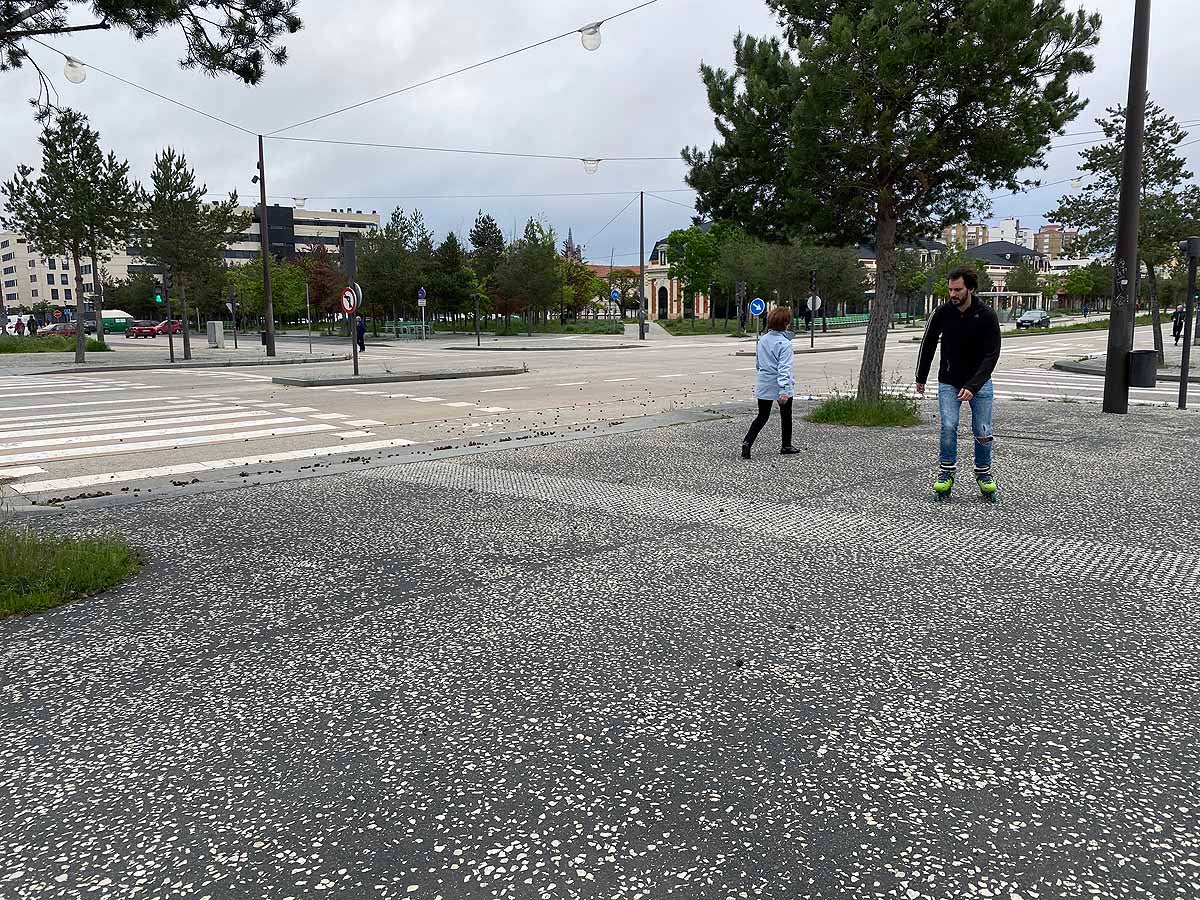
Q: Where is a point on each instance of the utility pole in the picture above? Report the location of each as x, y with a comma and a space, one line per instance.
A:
642, 268
1125, 270
1191, 249
265, 237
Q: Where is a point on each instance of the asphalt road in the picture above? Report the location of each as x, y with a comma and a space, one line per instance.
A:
70, 435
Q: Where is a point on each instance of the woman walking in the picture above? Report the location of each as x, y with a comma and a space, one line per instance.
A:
774, 382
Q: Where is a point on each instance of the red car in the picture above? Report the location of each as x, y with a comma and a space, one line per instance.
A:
175, 326
141, 329
65, 329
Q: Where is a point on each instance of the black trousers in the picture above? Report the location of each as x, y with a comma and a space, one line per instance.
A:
764, 413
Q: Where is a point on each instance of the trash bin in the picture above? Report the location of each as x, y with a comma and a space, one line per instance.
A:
1143, 368
262, 336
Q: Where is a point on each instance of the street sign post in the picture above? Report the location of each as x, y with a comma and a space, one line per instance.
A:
421, 303
57, 315
814, 304
1191, 249
349, 303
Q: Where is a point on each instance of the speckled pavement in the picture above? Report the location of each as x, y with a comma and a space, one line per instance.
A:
634, 667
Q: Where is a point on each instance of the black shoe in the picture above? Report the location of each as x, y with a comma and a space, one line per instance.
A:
789, 450
745, 451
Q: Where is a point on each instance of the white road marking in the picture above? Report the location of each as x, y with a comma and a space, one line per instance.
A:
297, 409
492, 409
497, 390
425, 399
613, 380
459, 405
140, 446
95, 415
328, 415
56, 393
58, 484
74, 427
361, 423
20, 471
154, 432
564, 384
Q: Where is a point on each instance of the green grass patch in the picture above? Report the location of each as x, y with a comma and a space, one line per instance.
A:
38, 572
53, 343
849, 410
680, 327
518, 328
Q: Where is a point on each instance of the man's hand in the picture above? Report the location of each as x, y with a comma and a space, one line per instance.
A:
783, 399
920, 389
964, 394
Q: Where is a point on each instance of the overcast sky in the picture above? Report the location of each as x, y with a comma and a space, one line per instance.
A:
639, 95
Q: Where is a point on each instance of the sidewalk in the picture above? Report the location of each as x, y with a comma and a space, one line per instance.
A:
634, 666
139, 355
1171, 371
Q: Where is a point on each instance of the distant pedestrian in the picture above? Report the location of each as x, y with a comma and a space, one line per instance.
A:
1177, 322
20, 328
970, 334
774, 382
32, 326
1085, 310
360, 329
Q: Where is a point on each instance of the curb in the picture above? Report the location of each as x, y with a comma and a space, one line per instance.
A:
803, 350
391, 379
566, 347
219, 364
1080, 368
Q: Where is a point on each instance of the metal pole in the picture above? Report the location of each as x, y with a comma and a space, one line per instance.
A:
642, 268
476, 320
233, 301
1193, 248
167, 299
1125, 269
265, 238
308, 316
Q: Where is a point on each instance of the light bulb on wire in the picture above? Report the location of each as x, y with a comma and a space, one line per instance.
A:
590, 165
74, 71
590, 36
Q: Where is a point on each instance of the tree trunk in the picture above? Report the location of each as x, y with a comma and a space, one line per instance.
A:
1155, 316
80, 324
870, 376
186, 326
98, 297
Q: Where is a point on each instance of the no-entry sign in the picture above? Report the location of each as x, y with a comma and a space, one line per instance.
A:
349, 301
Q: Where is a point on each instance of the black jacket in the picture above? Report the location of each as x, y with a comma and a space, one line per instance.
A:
970, 345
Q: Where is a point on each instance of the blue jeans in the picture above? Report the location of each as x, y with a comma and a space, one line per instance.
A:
949, 409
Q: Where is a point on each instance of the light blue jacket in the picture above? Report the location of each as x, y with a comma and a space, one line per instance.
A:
774, 365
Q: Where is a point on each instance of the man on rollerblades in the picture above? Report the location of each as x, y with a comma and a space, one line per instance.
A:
970, 335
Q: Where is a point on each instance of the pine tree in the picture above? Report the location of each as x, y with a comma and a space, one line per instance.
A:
181, 232
882, 120
1170, 206
81, 201
487, 243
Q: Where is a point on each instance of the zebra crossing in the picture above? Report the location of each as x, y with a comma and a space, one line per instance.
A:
1051, 384
117, 431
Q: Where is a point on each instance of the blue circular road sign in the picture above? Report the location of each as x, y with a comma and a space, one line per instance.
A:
421, 294
757, 306
615, 295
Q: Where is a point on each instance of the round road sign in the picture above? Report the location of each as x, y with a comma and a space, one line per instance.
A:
421, 293
349, 301
757, 306
814, 303
615, 295
58, 314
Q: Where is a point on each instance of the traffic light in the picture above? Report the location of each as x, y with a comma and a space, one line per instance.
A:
158, 295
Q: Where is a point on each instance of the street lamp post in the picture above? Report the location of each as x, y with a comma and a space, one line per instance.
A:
265, 240
1125, 270
1191, 249
642, 268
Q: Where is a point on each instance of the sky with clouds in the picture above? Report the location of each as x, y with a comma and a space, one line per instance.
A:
639, 95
